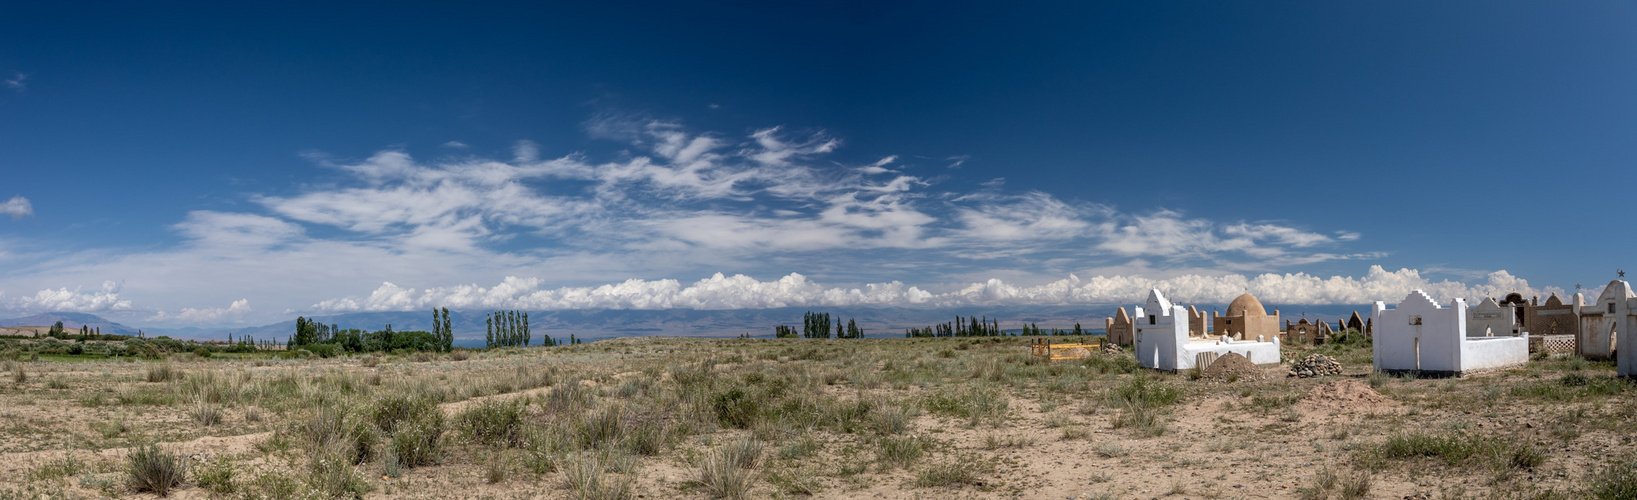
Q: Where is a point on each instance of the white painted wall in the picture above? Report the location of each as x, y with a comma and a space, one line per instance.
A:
1440, 338
1494, 352
1262, 353
1622, 321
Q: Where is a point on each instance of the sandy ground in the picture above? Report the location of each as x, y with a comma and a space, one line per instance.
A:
1220, 442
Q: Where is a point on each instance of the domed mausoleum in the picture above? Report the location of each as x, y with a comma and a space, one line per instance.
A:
1246, 319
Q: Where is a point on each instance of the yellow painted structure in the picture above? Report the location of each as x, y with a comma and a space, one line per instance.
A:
1043, 349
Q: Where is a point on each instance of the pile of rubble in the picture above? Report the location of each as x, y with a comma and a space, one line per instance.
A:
1232, 366
1315, 365
1111, 348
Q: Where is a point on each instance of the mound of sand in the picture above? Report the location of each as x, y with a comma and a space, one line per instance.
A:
1232, 365
1349, 394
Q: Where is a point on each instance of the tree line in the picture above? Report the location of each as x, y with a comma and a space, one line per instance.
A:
962, 327
816, 325
511, 329
329, 339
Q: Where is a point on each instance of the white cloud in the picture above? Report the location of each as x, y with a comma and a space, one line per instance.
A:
1169, 234
795, 290
19, 82
236, 229
1271, 288
65, 300
1031, 217
716, 292
233, 312
674, 202
17, 207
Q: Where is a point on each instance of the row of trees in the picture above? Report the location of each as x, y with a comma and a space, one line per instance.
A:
310, 332
961, 327
58, 331
442, 329
330, 339
504, 329
817, 326
1032, 329
511, 329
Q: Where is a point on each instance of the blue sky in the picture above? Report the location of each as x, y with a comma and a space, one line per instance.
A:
208, 164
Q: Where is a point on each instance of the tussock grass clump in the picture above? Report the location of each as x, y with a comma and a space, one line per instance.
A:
958, 472
494, 422
498, 467
206, 414
216, 476
648, 438
725, 473
900, 451
1572, 387
163, 372
19, 375
735, 408
1617, 480
1454, 449
390, 411
744, 452
334, 426
974, 403
1328, 482
1143, 399
419, 441
66, 466
890, 419
798, 449
331, 472
601, 427
149, 468
1103, 364
586, 480
992, 441
568, 398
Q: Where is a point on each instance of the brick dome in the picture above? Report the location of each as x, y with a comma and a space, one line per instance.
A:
1246, 305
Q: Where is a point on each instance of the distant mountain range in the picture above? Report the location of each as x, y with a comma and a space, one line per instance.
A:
610, 323
71, 321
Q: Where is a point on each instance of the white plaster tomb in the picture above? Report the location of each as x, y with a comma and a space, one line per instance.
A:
1421, 336
1491, 319
1163, 342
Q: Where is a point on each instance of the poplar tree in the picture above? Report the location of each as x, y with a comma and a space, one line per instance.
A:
489, 331
448, 332
526, 333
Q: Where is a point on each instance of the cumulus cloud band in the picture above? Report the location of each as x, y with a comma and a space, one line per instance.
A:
795, 290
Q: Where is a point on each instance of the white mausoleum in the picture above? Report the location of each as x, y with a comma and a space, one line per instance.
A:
1420, 335
1609, 326
1491, 319
1161, 330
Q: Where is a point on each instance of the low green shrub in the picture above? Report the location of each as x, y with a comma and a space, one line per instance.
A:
494, 422
150, 468
420, 440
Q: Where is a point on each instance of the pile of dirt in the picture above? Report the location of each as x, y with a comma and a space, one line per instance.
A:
1233, 366
1315, 365
1346, 394
1112, 349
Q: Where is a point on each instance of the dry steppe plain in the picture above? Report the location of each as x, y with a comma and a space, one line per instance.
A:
793, 418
